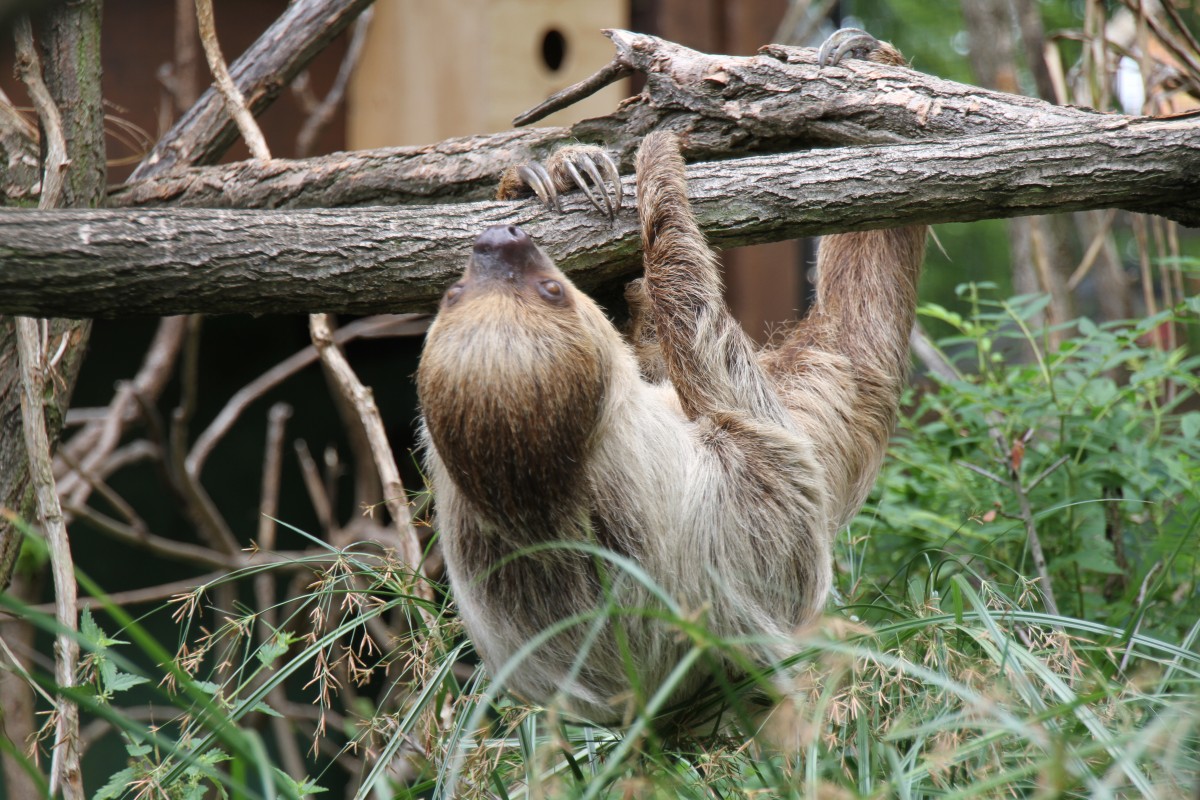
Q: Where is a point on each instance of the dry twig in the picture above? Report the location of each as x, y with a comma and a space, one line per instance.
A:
264, 583
363, 402
235, 104
379, 326
1022, 491
95, 444
36, 366
64, 769
29, 67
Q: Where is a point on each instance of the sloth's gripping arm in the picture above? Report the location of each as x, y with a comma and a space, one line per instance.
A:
710, 361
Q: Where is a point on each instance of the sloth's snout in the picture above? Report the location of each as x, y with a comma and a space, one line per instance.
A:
504, 251
502, 241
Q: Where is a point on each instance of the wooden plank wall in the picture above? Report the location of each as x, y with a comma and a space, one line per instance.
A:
434, 70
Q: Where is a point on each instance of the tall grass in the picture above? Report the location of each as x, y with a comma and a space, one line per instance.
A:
936, 671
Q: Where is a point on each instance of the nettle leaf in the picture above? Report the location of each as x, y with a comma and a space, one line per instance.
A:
115, 788
88, 626
123, 681
92, 631
210, 758
1189, 424
275, 648
266, 709
305, 787
138, 749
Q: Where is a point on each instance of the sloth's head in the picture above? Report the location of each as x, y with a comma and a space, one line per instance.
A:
514, 375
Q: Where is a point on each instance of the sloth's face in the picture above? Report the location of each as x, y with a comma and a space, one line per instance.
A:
506, 264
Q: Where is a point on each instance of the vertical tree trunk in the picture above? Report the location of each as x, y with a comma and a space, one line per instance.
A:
69, 36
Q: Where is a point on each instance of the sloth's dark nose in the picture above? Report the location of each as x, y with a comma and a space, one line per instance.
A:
502, 241
505, 252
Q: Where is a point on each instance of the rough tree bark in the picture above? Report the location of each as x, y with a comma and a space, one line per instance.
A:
122, 262
69, 36
1039, 246
776, 101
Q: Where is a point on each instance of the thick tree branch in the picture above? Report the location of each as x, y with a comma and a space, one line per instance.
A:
103, 263
719, 105
261, 73
465, 168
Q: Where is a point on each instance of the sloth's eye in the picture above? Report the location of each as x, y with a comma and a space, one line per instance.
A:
454, 292
551, 290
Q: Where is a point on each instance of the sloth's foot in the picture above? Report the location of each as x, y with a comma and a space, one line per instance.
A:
857, 43
586, 167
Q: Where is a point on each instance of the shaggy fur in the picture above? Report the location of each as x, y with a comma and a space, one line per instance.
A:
722, 471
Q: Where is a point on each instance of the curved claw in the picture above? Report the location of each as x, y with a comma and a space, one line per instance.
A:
609, 168
587, 167
593, 172
574, 172
605, 180
855, 41
536, 177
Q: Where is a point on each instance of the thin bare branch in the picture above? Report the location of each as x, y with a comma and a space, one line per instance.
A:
1099, 240
154, 594
991, 476
363, 401
380, 326
92, 445
610, 73
138, 536
198, 505
1189, 58
235, 104
316, 490
323, 112
264, 583
928, 354
205, 132
29, 67
65, 775
1046, 473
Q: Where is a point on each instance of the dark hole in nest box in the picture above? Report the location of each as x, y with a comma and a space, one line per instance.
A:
554, 50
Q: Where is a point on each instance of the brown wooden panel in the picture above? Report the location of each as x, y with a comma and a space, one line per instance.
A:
435, 70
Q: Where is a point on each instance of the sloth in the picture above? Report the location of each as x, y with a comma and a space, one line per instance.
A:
585, 482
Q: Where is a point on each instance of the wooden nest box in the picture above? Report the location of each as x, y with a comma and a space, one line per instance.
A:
430, 71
